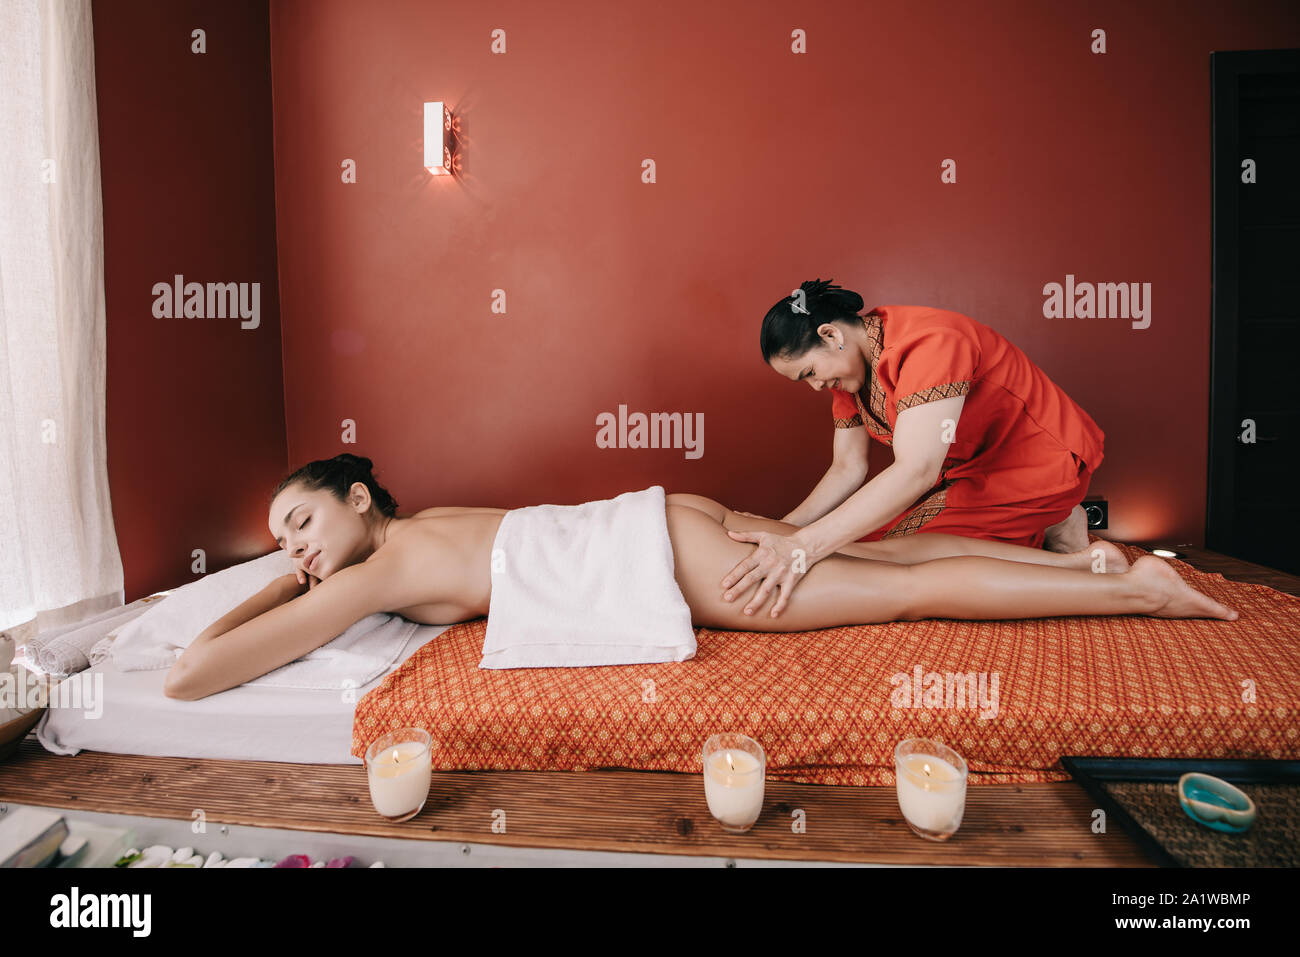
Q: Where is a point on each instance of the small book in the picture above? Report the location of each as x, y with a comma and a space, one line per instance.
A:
30, 837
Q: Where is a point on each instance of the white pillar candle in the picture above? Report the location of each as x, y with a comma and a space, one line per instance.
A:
733, 787
931, 792
400, 778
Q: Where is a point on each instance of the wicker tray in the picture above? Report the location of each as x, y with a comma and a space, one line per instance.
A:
1142, 796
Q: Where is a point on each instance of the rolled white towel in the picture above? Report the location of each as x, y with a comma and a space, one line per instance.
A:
102, 648
65, 649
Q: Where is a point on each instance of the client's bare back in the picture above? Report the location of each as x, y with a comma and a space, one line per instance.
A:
446, 563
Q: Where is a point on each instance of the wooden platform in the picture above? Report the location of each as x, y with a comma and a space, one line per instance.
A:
627, 811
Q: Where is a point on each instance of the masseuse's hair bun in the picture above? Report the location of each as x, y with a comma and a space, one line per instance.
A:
788, 332
828, 297
337, 476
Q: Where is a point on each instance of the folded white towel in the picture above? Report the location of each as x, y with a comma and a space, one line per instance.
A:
156, 638
353, 659
590, 584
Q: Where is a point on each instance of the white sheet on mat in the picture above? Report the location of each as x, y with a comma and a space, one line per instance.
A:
247, 723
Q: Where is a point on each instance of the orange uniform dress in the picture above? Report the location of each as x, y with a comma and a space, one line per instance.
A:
1024, 450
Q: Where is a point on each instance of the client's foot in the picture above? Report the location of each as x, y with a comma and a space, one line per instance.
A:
1176, 598
1068, 535
1113, 560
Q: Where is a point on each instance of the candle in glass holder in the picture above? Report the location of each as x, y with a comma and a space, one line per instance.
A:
734, 768
931, 781
400, 769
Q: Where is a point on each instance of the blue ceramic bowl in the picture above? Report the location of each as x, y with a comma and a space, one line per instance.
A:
1215, 803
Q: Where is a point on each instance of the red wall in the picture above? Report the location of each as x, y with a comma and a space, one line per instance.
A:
772, 168
195, 421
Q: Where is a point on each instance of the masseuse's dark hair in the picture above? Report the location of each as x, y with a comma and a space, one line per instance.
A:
788, 334
337, 476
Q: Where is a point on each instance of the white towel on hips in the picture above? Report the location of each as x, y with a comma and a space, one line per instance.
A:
582, 585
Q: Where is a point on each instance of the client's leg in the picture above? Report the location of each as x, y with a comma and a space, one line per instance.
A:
843, 590
924, 546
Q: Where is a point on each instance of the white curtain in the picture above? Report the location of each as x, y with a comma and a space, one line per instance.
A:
58, 549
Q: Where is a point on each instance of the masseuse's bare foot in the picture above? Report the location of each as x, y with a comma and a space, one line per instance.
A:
1068, 535
1178, 599
1113, 560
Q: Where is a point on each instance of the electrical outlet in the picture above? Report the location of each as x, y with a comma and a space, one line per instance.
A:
1095, 509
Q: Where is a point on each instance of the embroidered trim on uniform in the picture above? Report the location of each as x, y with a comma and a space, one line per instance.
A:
873, 414
924, 512
934, 394
852, 422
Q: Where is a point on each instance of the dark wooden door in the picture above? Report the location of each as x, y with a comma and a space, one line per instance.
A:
1253, 508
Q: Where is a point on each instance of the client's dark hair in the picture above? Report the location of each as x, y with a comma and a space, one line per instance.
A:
337, 476
788, 333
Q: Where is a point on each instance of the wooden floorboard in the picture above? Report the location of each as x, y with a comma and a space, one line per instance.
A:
626, 811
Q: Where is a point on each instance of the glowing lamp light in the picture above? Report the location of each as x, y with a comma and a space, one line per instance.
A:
1164, 553
439, 139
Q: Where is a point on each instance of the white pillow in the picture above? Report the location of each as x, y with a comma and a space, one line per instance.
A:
157, 638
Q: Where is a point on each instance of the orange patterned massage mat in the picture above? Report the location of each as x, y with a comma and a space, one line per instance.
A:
829, 706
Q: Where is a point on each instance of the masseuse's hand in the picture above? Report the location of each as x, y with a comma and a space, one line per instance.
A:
772, 562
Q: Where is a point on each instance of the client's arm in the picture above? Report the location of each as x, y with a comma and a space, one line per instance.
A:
278, 592
280, 624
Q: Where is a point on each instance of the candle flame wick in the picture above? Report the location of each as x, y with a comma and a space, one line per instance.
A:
926, 768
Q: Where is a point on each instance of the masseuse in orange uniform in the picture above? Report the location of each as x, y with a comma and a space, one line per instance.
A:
985, 444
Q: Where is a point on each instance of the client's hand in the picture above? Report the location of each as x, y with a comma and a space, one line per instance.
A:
778, 561
306, 578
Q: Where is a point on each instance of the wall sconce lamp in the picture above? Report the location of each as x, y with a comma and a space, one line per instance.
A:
439, 139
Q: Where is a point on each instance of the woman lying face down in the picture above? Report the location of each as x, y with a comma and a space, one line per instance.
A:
353, 557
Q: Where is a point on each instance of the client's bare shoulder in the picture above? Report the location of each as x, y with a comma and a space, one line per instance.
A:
444, 564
